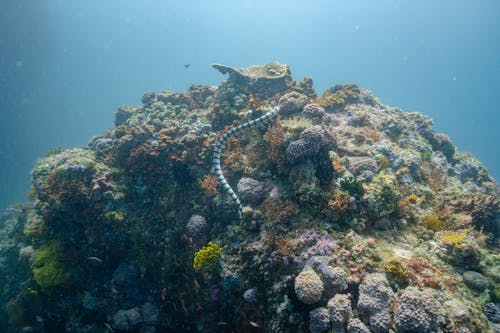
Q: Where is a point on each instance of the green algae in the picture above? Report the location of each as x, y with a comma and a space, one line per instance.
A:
48, 271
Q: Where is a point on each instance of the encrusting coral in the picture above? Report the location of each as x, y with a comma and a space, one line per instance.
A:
358, 217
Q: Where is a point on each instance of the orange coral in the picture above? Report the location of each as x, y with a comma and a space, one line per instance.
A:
339, 203
209, 185
337, 167
275, 136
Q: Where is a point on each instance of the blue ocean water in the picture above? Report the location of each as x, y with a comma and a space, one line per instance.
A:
66, 65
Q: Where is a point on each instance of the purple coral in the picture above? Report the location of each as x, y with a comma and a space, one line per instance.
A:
357, 326
309, 144
340, 312
292, 102
375, 297
197, 228
251, 191
314, 112
417, 311
324, 246
319, 320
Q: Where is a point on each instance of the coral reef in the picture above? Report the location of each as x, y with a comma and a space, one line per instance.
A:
358, 217
308, 287
417, 311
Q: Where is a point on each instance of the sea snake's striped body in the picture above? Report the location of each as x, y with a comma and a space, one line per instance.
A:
222, 142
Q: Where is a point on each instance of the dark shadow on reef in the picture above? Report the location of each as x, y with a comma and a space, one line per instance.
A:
357, 217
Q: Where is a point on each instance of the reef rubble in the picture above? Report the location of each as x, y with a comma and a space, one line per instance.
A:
357, 217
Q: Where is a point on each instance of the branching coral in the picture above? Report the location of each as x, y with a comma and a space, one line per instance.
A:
432, 222
207, 259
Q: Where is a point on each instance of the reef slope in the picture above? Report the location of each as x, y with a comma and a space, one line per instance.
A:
358, 217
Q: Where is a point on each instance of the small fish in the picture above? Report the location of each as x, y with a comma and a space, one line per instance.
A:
187, 65
222, 323
254, 324
95, 259
32, 291
196, 284
109, 327
163, 294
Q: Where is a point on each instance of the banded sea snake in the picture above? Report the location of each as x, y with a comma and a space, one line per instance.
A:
222, 142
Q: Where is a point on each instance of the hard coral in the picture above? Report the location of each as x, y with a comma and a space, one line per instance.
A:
432, 222
197, 229
292, 102
308, 287
319, 320
208, 257
340, 310
417, 311
308, 145
375, 297
336, 98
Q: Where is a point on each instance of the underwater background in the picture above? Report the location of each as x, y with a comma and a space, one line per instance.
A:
250, 166
66, 66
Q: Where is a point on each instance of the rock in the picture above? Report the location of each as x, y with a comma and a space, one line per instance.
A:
124, 113
475, 280
90, 302
26, 252
358, 164
197, 229
148, 98
125, 276
392, 128
417, 311
251, 191
339, 307
457, 310
319, 320
150, 313
357, 326
382, 224
442, 143
492, 312
308, 286
127, 320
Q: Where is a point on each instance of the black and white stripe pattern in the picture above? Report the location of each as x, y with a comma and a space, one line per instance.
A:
222, 142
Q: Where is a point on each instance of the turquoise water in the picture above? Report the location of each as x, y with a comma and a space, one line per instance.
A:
65, 66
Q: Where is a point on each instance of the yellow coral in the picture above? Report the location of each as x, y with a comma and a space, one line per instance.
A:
383, 163
207, 258
412, 198
396, 269
455, 239
296, 124
432, 222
